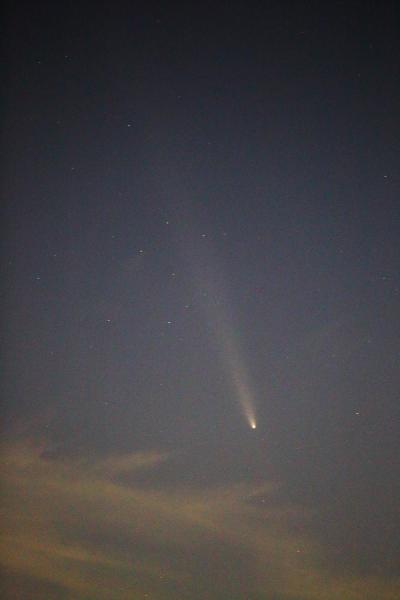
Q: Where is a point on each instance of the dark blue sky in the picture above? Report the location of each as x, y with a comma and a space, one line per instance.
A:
201, 219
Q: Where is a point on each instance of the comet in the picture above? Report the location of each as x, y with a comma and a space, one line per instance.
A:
228, 342
235, 369
208, 280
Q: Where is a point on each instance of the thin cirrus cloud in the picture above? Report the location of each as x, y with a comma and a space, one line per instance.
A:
86, 529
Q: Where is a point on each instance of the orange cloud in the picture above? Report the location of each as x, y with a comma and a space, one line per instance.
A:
75, 525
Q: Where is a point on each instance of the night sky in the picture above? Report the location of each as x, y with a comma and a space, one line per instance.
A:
200, 315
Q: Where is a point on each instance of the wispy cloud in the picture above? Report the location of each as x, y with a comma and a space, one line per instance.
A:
82, 527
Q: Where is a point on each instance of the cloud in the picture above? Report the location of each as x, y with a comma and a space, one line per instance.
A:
87, 529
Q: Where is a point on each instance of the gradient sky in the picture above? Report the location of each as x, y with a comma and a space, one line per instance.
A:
200, 231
